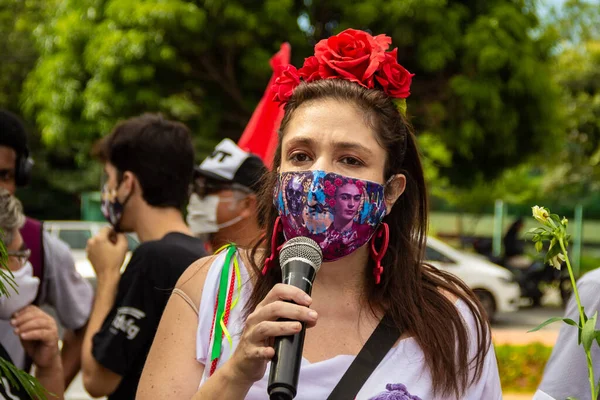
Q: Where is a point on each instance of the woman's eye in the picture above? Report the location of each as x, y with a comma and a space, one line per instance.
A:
299, 157
351, 161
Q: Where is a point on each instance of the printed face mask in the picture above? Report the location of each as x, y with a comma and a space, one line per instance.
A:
27, 286
111, 207
341, 214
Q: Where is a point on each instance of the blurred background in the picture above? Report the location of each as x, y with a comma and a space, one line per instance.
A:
505, 104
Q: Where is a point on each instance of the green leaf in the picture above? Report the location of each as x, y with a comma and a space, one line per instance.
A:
401, 105
19, 378
536, 231
551, 321
539, 246
588, 334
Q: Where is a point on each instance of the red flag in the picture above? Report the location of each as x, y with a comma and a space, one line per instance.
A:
260, 135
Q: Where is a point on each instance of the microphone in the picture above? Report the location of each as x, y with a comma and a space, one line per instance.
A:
300, 259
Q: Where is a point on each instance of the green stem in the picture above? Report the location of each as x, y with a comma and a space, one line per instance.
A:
588, 354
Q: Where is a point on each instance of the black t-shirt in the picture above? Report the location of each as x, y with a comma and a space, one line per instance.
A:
123, 342
6, 390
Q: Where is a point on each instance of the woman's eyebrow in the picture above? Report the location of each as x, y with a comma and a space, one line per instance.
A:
352, 146
301, 141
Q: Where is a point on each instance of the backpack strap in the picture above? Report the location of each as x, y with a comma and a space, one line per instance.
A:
32, 232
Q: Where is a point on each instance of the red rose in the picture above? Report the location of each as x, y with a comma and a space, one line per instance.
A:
338, 182
331, 202
330, 190
359, 184
310, 70
393, 77
285, 84
352, 55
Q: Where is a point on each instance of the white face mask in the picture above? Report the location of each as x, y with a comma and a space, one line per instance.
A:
202, 214
27, 287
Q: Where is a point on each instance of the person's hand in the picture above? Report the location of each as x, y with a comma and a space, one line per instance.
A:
39, 335
106, 251
249, 361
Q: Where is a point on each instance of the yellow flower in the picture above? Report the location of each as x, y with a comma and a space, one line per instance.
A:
540, 213
564, 221
557, 260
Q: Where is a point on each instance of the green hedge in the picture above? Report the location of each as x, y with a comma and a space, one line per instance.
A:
521, 367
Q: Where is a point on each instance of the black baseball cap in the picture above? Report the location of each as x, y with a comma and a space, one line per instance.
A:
230, 164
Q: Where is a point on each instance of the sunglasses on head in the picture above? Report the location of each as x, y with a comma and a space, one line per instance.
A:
205, 187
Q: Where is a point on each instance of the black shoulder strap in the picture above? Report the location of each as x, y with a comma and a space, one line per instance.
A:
380, 342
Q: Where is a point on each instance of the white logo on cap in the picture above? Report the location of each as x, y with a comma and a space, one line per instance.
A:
225, 159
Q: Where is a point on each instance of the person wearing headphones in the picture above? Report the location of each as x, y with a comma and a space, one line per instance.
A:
61, 286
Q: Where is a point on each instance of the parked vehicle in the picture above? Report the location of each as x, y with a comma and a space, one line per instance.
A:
495, 287
76, 235
532, 278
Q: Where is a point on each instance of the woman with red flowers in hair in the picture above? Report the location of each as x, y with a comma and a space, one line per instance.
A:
344, 122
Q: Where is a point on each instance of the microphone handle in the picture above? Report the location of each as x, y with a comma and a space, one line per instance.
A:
285, 365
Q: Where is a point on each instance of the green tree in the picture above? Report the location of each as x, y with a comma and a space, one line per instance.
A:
17, 48
578, 173
482, 88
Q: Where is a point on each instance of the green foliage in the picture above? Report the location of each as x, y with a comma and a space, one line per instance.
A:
521, 367
553, 229
482, 88
6, 276
577, 174
17, 21
518, 185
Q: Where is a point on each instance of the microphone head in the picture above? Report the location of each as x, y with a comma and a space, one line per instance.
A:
301, 248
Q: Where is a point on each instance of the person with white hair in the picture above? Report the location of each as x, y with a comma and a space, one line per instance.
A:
36, 330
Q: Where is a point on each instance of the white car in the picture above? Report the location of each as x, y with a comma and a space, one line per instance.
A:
76, 235
495, 286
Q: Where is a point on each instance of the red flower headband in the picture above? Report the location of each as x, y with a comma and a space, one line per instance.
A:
353, 55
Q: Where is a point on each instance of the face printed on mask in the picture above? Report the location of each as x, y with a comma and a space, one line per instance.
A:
340, 213
27, 286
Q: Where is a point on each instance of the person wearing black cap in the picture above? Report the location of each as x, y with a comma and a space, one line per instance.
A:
62, 287
223, 207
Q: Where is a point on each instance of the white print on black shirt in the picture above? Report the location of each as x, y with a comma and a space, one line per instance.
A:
121, 322
7, 390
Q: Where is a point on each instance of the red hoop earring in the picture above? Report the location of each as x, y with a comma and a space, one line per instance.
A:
277, 229
382, 232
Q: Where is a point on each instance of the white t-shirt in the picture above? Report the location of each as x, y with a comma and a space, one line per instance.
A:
403, 365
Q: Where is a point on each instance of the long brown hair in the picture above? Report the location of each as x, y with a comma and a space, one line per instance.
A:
410, 290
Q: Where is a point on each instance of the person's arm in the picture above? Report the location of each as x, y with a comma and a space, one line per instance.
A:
106, 258
71, 353
71, 296
171, 370
39, 335
172, 357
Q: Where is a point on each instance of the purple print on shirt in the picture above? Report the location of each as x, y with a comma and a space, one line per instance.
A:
395, 391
